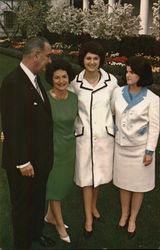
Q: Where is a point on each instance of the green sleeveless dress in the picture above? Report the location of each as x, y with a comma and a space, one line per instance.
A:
60, 182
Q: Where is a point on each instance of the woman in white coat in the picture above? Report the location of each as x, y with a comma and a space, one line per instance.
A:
93, 128
137, 130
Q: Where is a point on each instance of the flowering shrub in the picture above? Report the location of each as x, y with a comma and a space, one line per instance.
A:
62, 19
117, 60
31, 19
99, 23
126, 24
156, 20
96, 22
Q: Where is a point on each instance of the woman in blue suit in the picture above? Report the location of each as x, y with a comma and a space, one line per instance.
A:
137, 129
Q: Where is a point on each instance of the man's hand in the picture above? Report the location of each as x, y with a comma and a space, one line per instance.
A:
27, 171
147, 159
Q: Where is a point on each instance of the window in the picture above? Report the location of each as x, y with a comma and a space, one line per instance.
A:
9, 19
78, 3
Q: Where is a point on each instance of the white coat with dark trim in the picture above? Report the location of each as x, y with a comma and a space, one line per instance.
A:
94, 130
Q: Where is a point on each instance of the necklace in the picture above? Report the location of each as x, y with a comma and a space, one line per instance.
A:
59, 96
93, 81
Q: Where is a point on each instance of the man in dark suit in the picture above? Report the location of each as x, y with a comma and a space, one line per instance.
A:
28, 146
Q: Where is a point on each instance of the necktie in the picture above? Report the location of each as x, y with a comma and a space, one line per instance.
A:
38, 88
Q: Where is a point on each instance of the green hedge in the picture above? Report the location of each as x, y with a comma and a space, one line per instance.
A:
128, 46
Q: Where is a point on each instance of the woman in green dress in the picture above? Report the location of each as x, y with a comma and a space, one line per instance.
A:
64, 111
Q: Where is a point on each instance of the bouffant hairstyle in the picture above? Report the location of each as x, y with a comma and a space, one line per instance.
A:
142, 68
58, 64
94, 48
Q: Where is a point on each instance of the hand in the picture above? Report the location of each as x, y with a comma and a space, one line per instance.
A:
2, 137
27, 171
147, 159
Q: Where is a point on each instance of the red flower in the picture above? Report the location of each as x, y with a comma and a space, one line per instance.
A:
117, 59
57, 52
18, 45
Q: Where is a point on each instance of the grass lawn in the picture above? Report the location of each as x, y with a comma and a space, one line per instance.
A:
106, 235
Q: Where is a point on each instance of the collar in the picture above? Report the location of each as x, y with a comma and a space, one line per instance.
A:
137, 99
105, 77
30, 75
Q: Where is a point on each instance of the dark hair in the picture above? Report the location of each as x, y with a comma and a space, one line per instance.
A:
34, 43
91, 47
142, 68
56, 65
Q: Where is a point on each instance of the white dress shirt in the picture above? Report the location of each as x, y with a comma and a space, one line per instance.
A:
31, 76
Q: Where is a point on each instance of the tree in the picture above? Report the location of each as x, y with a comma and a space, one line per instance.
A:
96, 22
31, 16
28, 17
64, 19
156, 20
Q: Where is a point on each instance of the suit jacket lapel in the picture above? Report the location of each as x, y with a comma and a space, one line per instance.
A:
34, 92
101, 84
132, 102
